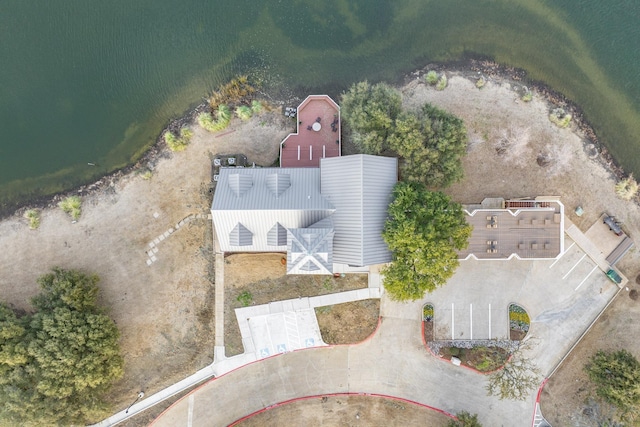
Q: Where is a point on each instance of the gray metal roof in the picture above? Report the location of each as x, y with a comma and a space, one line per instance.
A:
309, 251
253, 206
360, 188
261, 198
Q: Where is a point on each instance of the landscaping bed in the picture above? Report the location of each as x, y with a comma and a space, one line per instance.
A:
427, 323
482, 359
518, 322
254, 279
348, 323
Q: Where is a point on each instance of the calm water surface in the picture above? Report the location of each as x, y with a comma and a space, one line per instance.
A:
93, 81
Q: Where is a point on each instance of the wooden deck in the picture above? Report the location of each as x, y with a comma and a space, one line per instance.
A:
317, 136
528, 232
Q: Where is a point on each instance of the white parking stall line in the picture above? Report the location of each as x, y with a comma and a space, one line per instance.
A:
567, 250
471, 320
585, 279
489, 321
574, 266
453, 336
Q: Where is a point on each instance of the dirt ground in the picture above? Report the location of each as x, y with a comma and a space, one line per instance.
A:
578, 177
348, 323
367, 411
164, 311
265, 278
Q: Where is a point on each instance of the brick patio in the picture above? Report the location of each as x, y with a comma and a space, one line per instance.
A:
317, 135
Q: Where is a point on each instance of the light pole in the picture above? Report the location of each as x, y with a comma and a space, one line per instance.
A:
140, 396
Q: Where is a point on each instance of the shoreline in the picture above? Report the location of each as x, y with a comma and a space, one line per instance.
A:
470, 68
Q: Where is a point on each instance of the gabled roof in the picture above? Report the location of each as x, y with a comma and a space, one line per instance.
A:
310, 251
360, 187
290, 198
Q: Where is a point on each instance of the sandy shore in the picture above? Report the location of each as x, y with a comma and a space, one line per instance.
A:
165, 310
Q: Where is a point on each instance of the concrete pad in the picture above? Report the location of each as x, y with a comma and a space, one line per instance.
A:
283, 332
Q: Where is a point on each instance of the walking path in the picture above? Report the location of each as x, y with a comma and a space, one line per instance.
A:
155, 243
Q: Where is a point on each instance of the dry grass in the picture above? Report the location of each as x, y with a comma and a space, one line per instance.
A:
348, 411
513, 144
265, 279
348, 323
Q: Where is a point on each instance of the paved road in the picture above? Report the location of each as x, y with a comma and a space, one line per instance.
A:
562, 298
393, 362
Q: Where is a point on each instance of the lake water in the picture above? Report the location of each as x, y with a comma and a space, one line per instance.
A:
92, 81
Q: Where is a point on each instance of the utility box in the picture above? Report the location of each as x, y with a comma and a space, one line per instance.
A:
614, 276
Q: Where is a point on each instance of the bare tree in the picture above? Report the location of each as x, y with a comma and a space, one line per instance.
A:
516, 379
513, 144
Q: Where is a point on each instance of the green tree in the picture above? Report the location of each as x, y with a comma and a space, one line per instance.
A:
431, 144
616, 375
465, 419
56, 364
424, 230
370, 113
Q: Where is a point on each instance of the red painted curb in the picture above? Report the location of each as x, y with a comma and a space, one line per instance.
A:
259, 360
276, 405
533, 417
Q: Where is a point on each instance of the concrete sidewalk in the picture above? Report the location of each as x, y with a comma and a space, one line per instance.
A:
223, 365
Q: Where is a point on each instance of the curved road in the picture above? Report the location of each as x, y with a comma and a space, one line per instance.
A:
394, 362
562, 298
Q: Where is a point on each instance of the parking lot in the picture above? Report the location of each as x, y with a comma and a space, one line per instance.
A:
567, 291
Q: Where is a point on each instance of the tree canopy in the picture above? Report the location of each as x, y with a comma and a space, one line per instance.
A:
370, 113
616, 375
430, 142
465, 419
56, 363
424, 230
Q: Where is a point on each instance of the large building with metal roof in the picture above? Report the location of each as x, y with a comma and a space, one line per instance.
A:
319, 216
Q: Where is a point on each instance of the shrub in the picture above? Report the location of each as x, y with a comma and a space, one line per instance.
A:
627, 188
178, 143
560, 118
431, 77
518, 318
465, 419
224, 113
527, 96
256, 107
146, 174
245, 298
34, 218
480, 83
232, 92
442, 82
616, 375
243, 112
427, 312
72, 205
